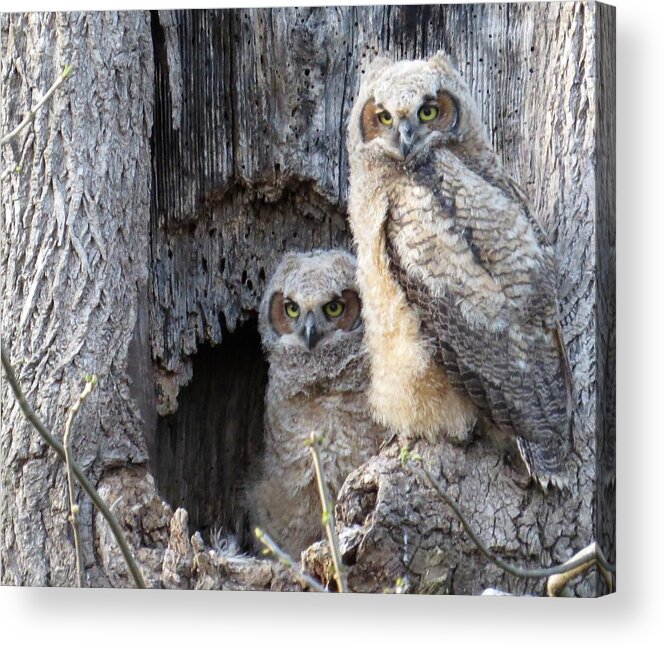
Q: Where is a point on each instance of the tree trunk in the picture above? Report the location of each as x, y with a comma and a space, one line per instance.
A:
159, 189
75, 264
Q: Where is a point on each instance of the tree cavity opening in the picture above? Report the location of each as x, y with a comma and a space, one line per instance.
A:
204, 448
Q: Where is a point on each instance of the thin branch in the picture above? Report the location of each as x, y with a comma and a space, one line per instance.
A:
274, 549
66, 73
328, 518
74, 509
584, 558
556, 583
80, 476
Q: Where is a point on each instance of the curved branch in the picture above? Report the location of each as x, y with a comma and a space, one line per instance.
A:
80, 476
585, 558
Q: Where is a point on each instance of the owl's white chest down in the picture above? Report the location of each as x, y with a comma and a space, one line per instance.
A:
409, 390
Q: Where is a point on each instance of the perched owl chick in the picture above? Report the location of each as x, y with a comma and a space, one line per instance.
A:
312, 333
457, 279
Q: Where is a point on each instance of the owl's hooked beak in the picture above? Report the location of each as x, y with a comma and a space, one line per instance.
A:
310, 333
405, 137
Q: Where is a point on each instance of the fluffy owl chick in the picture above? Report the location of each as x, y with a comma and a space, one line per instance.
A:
456, 276
312, 333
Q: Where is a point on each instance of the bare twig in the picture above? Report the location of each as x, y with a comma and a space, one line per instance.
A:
66, 73
80, 476
274, 549
328, 518
64, 452
74, 509
585, 558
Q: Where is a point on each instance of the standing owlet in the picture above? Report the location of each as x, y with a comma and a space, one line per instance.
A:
457, 279
312, 332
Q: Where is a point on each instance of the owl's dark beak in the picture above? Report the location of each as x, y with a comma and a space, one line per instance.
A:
311, 334
405, 137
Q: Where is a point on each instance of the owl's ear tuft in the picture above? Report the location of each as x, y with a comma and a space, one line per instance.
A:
441, 62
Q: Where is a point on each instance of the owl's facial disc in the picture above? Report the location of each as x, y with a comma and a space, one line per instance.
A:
400, 130
281, 320
290, 321
310, 324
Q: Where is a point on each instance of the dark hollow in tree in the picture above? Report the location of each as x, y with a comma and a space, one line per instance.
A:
204, 447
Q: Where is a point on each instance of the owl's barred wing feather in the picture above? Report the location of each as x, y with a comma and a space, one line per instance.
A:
483, 284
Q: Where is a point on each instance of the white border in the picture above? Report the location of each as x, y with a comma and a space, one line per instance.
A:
631, 616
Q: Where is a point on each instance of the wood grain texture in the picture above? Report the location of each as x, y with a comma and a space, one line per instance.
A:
605, 240
257, 166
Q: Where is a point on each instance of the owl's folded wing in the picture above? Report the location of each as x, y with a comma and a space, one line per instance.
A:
484, 286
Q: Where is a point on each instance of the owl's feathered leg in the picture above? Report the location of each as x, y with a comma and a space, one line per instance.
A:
462, 437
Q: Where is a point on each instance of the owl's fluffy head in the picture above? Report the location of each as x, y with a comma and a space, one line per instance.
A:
309, 317
404, 109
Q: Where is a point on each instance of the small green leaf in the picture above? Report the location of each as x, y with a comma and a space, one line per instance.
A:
313, 439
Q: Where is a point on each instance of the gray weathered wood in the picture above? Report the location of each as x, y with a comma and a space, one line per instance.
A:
247, 160
276, 115
605, 241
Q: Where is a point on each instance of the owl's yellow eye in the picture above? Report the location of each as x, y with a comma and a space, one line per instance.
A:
385, 118
333, 309
428, 113
292, 309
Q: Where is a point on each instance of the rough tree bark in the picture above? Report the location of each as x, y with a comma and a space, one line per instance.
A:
159, 190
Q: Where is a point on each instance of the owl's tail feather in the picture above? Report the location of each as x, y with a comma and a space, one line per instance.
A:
542, 465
